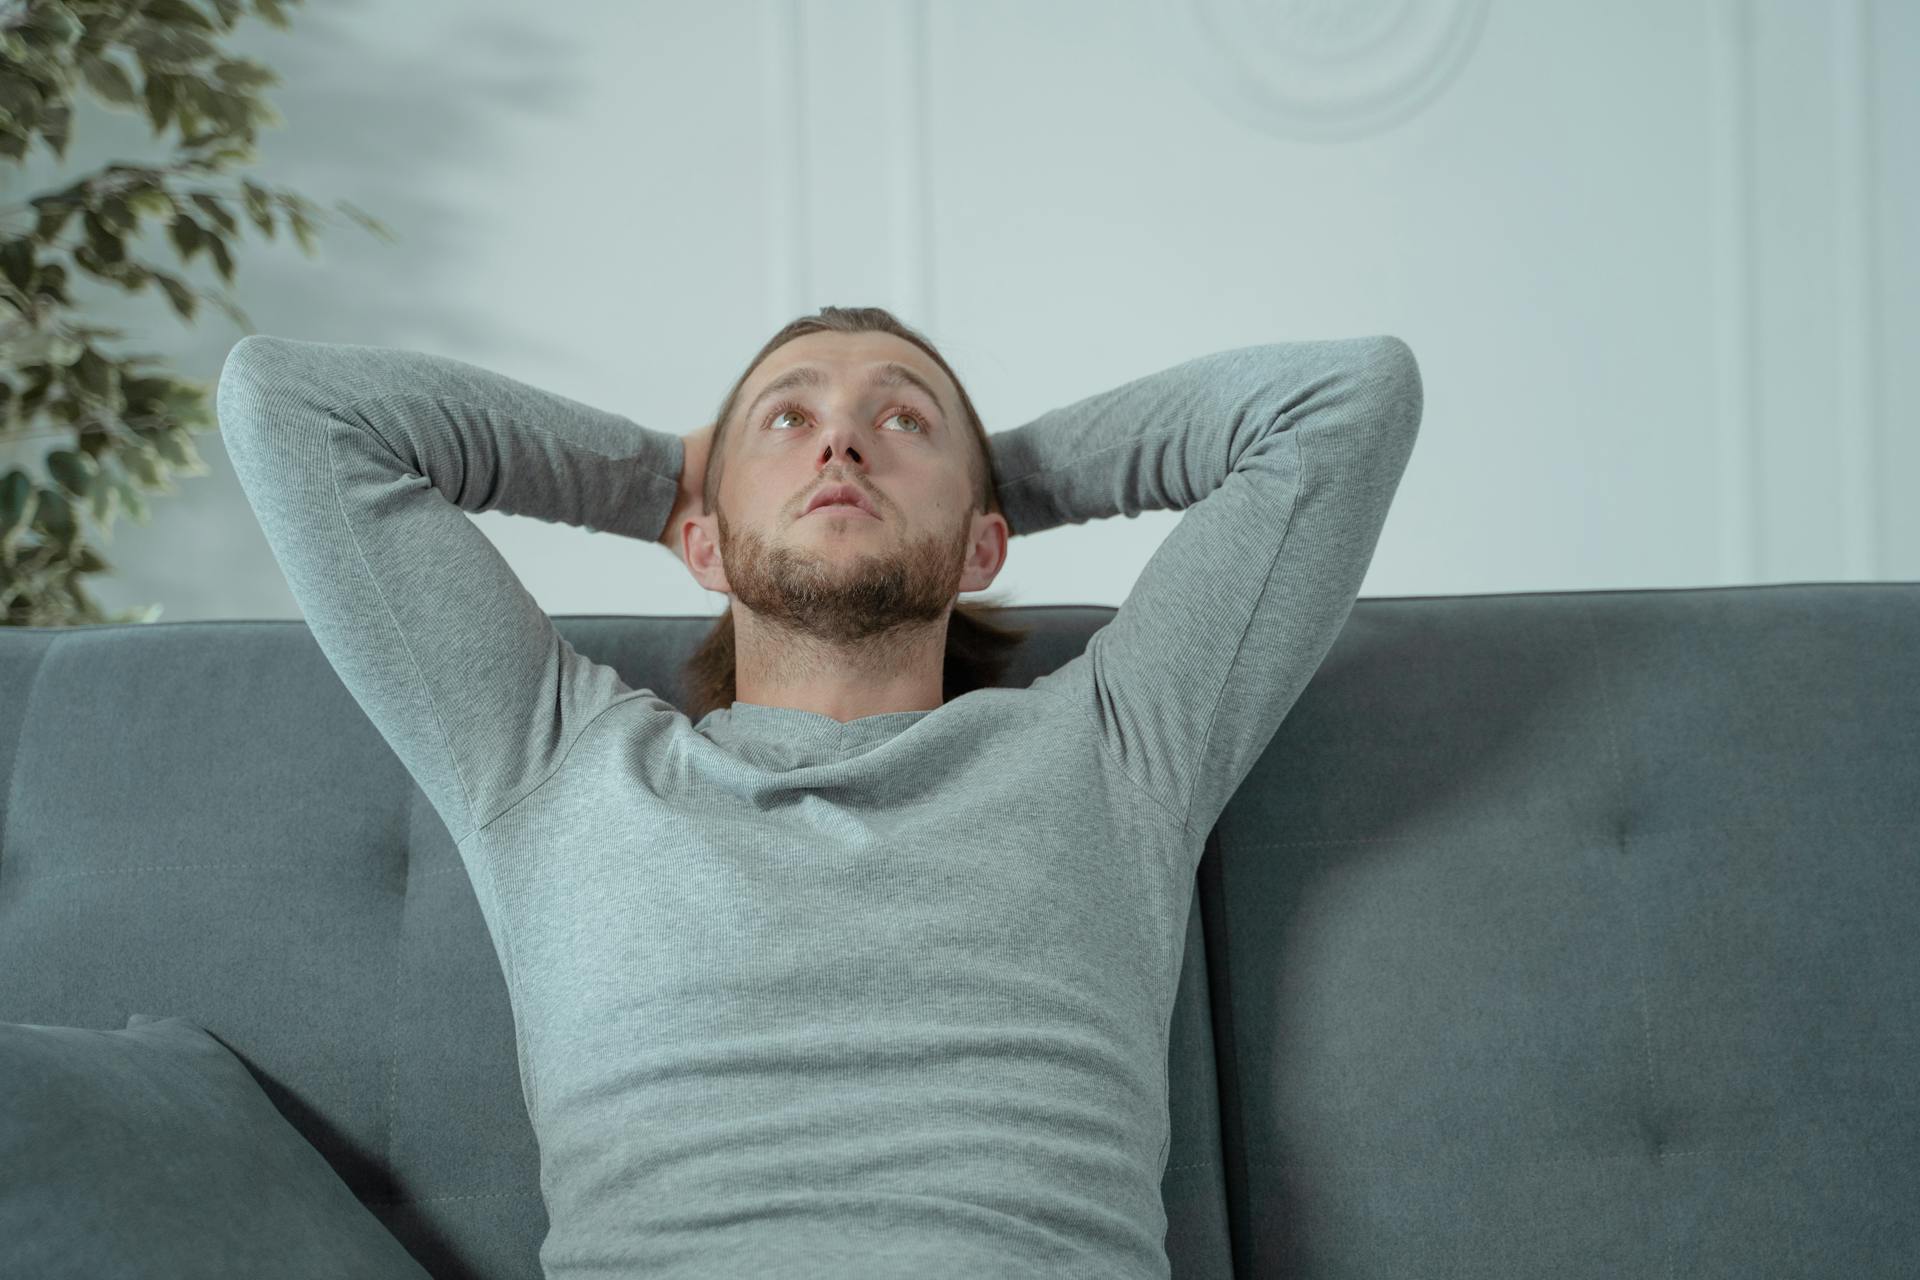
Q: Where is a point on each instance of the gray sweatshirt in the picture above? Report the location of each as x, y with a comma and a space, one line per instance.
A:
806, 998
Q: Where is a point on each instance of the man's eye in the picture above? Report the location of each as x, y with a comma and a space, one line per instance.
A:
920, 424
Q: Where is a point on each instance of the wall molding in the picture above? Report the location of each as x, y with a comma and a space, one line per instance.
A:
1859, 423
1322, 70
1738, 479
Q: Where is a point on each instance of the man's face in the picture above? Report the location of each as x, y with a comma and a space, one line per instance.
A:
838, 573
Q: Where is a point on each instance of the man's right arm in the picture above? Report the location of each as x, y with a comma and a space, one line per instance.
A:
360, 463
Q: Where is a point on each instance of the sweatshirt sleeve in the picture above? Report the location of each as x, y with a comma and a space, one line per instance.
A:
361, 463
1289, 455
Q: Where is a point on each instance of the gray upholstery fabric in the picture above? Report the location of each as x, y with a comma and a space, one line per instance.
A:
151, 1151
1558, 934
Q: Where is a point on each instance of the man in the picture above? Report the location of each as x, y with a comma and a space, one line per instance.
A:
852, 533
842, 979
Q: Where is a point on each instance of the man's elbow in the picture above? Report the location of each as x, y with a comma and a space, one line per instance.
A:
1393, 377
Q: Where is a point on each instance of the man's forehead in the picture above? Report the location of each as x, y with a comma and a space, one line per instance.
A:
888, 367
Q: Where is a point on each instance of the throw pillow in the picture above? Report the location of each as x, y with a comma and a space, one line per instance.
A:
152, 1151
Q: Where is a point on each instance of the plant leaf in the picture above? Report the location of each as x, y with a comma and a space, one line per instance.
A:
55, 516
108, 79
182, 298
54, 213
186, 236
259, 206
73, 471
215, 210
222, 260
16, 502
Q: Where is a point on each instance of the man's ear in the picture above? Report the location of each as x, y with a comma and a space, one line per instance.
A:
988, 552
703, 554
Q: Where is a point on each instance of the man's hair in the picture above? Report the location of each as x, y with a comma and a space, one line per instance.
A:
980, 643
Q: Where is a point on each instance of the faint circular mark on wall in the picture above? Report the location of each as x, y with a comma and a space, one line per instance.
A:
1322, 70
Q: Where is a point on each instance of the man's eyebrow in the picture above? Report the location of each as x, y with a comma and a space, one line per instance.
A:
890, 374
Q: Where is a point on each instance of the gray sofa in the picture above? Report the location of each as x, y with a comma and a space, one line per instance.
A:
1557, 934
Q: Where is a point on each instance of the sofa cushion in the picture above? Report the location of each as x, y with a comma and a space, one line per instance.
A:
153, 1151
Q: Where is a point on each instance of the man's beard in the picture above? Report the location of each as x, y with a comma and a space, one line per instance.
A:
839, 593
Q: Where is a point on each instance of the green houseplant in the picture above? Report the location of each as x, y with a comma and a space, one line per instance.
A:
115, 428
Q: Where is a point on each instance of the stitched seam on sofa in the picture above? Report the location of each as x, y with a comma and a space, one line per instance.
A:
13, 769
1620, 862
399, 972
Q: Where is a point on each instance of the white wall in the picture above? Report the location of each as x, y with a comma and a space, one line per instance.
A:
1658, 259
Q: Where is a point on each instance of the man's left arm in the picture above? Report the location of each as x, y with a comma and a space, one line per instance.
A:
1289, 455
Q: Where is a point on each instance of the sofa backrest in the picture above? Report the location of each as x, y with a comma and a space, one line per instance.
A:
1563, 933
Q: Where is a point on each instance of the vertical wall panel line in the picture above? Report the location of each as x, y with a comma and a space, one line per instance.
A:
782, 199
1737, 432
1857, 421
909, 203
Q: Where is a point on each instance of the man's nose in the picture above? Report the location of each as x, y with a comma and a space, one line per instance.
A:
841, 442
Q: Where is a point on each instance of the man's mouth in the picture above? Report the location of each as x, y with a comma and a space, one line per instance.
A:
839, 496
